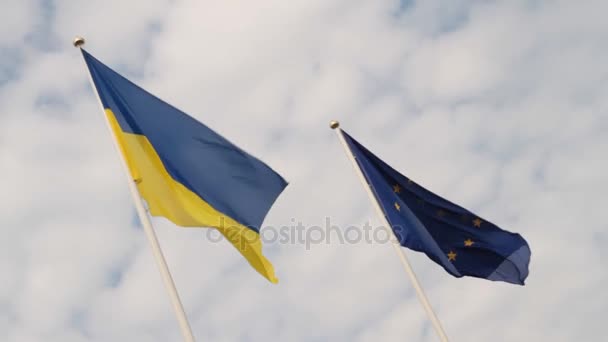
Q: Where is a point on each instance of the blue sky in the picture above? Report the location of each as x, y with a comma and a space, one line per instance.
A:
499, 106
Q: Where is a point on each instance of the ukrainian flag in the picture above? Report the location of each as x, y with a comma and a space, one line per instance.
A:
185, 171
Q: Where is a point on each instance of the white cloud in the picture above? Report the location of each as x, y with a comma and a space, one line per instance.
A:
13, 25
498, 105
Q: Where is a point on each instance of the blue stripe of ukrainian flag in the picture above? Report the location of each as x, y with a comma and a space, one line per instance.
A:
185, 171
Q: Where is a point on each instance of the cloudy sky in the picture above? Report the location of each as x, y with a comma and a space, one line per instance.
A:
501, 106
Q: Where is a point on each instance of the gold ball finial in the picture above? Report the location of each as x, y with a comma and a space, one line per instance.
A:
78, 41
333, 124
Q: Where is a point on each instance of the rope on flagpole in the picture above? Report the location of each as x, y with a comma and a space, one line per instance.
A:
335, 125
146, 223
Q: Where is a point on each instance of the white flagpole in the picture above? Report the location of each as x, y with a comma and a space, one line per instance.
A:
146, 223
335, 125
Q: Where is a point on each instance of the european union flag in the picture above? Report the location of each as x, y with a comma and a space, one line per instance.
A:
455, 238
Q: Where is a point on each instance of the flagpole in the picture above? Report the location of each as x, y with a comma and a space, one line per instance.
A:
335, 125
146, 223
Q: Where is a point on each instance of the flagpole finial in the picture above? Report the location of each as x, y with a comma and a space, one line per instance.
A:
78, 41
333, 124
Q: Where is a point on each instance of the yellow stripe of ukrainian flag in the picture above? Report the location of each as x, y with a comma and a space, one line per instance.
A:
168, 198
